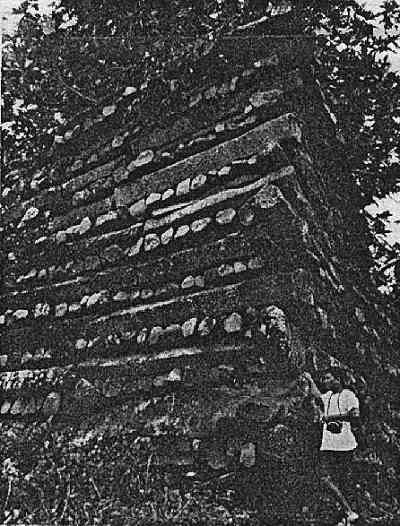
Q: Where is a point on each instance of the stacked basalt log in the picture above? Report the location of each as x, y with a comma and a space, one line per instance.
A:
181, 252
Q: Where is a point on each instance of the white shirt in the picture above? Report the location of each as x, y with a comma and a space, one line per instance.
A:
334, 404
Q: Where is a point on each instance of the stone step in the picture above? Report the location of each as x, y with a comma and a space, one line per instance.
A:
150, 325
173, 267
90, 238
162, 145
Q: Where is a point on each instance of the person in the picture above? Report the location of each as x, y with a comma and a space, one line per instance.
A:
340, 409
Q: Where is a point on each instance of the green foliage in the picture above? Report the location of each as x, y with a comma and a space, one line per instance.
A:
86, 53
107, 470
364, 95
60, 474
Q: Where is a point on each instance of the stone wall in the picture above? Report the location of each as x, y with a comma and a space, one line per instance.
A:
197, 247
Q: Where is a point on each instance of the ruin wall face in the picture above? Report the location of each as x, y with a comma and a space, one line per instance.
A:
192, 253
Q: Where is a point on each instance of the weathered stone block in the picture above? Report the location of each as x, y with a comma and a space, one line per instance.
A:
188, 327
143, 158
138, 209
206, 326
181, 231
151, 241
183, 187
225, 216
167, 236
233, 323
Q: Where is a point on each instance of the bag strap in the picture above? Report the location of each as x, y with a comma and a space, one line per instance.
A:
329, 404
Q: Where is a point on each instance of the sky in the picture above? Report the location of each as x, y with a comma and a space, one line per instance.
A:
391, 203
6, 7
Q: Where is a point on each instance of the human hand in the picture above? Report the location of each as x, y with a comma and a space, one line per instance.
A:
307, 376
